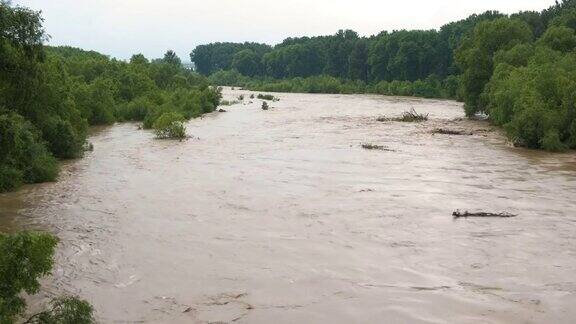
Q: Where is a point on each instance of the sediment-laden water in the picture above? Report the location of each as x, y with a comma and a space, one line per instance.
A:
281, 216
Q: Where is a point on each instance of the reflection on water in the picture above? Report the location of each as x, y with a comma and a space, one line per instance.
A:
280, 216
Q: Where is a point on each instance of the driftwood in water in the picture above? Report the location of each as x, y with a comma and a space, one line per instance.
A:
445, 131
407, 117
466, 214
368, 146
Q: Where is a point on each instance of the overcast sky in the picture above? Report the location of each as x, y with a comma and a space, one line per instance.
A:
121, 28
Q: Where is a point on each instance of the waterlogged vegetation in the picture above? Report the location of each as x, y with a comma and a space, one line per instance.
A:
374, 147
229, 102
518, 69
170, 125
410, 116
50, 96
268, 97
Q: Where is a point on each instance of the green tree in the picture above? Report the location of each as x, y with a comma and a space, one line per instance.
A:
475, 56
139, 59
559, 38
170, 57
219, 56
247, 62
358, 61
24, 258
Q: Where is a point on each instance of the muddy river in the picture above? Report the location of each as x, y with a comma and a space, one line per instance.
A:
281, 216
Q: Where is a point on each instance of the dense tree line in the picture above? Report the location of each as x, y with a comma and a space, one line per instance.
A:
400, 55
49, 96
416, 62
525, 78
516, 68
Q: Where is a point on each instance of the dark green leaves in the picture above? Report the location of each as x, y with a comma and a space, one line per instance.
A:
24, 258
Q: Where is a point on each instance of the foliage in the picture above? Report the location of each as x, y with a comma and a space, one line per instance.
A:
25, 258
432, 87
170, 125
65, 310
221, 56
228, 78
136, 110
24, 158
536, 103
400, 55
171, 58
527, 86
475, 56
406, 63
247, 62
559, 38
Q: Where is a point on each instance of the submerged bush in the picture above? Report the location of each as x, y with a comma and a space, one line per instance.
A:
410, 116
170, 125
266, 97
369, 146
229, 102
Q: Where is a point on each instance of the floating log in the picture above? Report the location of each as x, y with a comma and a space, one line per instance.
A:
466, 214
445, 131
368, 146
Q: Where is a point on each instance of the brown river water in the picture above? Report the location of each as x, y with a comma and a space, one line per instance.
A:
281, 216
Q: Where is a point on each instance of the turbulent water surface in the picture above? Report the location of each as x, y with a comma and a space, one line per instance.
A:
281, 216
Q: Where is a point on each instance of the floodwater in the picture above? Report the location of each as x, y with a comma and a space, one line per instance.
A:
281, 216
